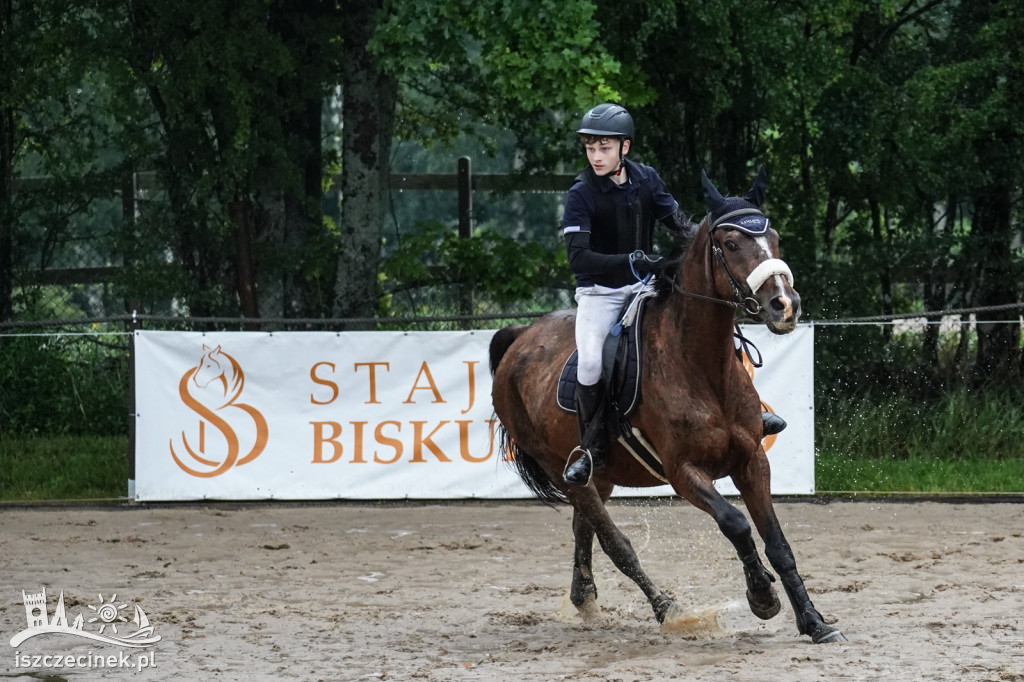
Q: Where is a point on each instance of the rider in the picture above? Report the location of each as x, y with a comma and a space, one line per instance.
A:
608, 222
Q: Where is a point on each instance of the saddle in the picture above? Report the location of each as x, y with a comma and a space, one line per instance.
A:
621, 370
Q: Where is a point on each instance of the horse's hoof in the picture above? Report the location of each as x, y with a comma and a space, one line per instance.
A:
679, 621
662, 604
824, 634
589, 611
581, 591
766, 605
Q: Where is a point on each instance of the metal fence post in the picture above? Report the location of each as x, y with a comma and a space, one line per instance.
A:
134, 324
465, 184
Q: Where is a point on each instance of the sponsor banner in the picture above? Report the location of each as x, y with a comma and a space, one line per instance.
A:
368, 415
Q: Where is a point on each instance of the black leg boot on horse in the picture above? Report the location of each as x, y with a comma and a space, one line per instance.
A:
593, 447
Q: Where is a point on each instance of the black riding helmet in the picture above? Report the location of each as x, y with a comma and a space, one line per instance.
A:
607, 120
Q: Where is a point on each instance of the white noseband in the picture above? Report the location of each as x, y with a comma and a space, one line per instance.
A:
766, 270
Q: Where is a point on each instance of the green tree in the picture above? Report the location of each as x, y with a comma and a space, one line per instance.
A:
439, 69
237, 89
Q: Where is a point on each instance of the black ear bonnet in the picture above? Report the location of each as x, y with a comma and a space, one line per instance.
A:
738, 213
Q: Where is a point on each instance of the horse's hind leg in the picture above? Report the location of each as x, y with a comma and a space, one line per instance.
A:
591, 518
753, 486
583, 593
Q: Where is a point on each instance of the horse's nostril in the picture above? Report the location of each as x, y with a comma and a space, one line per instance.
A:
777, 304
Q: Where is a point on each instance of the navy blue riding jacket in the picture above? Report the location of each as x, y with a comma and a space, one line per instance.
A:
604, 222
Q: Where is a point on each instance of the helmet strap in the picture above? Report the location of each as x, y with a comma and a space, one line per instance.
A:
622, 164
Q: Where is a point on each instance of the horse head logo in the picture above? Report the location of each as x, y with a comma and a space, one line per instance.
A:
212, 390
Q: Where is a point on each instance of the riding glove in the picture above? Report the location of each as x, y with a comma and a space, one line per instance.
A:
644, 264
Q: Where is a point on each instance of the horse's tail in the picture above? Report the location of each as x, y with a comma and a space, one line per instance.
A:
500, 342
530, 471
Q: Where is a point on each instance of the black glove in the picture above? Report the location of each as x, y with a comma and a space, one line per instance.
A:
643, 264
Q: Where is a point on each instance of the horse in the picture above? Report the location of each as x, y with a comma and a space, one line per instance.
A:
698, 409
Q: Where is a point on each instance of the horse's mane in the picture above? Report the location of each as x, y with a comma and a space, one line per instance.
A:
680, 247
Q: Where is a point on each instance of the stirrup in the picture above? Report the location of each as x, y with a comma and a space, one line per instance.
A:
569, 462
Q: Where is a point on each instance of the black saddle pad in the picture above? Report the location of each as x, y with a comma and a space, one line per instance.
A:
621, 363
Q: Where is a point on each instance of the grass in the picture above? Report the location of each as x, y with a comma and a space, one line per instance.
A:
961, 442
838, 472
63, 468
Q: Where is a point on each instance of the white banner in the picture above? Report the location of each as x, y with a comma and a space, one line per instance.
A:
369, 415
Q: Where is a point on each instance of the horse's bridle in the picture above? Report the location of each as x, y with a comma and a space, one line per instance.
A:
745, 300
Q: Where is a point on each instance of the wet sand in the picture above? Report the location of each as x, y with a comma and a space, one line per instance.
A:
478, 591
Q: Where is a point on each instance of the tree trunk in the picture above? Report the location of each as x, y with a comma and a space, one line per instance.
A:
367, 121
997, 343
308, 277
307, 281
6, 176
240, 213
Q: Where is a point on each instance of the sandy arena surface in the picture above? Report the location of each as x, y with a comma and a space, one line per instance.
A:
478, 591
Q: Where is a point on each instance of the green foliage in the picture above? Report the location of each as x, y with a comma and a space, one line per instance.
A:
517, 66
889, 441
491, 264
63, 385
960, 425
891, 133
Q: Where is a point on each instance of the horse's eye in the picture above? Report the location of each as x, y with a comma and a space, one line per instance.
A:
731, 245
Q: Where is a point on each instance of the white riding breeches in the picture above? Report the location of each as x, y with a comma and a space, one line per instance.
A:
597, 311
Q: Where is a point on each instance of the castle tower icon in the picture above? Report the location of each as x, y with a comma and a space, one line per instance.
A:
35, 609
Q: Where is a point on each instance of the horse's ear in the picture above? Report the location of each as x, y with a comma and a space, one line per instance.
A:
712, 197
755, 194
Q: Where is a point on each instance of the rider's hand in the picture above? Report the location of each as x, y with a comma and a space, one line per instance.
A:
644, 264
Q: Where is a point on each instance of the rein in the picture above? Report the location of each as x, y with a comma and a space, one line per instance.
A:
735, 305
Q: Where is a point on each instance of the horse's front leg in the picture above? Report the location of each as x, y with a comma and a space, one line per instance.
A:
590, 518
754, 486
697, 487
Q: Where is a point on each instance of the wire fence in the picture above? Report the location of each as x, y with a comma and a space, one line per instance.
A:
65, 350
73, 375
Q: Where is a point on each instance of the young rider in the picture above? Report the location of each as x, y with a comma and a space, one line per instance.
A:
608, 222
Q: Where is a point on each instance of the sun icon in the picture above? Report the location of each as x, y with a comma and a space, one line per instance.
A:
108, 613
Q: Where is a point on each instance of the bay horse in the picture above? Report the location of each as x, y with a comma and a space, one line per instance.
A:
698, 409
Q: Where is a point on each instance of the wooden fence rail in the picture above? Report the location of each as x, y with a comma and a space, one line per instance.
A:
463, 181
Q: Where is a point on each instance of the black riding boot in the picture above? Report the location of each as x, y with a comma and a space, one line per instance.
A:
771, 423
590, 408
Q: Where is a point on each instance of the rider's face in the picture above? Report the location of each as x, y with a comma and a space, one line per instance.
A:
603, 154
